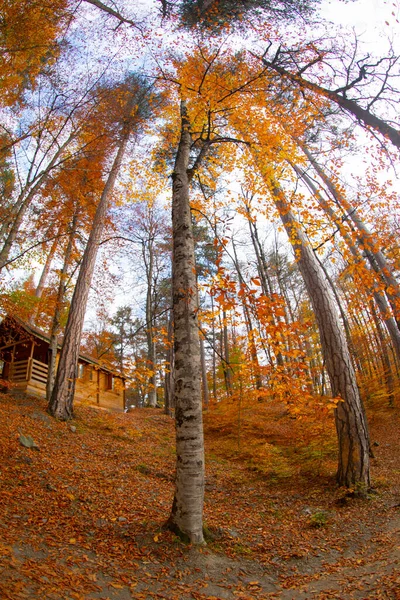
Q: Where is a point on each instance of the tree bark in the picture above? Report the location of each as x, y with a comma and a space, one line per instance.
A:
351, 424
46, 269
380, 268
169, 372
187, 510
151, 346
225, 354
204, 381
262, 269
55, 326
386, 364
255, 365
214, 353
43, 278
61, 402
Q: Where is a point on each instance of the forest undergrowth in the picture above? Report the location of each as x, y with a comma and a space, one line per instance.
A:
83, 508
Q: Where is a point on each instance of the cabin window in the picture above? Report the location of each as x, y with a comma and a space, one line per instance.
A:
2, 363
81, 370
90, 373
109, 381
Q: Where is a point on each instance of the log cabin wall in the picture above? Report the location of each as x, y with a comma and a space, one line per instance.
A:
100, 388
24, 359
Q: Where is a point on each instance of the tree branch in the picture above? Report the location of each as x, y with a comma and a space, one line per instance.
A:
113, 13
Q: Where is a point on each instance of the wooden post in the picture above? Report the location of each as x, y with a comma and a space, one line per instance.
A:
11, 374
98, 388
30, 363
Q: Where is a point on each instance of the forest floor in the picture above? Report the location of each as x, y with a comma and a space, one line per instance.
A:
81, 515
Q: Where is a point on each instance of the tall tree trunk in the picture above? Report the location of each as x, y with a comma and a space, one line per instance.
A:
262, 268
151, 345
214, 353
151, 361
379, 297
255, 366
187, 510
204, 381
343, 316
387, 367
226, 361
43, 278
55, 326
365, 239
61, 402
351, 424
46, 269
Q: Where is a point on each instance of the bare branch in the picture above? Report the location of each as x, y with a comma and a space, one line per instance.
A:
113, 13
35, 245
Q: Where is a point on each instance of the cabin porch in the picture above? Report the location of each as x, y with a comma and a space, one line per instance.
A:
24, 363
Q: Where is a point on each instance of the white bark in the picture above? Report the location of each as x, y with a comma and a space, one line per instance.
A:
55, 326
187, 510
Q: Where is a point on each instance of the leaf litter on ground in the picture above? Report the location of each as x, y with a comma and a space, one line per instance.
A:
83, 518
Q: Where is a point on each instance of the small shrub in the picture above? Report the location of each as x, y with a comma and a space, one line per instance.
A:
319, 519
144, 469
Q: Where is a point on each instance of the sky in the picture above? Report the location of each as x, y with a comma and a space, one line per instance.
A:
376, 20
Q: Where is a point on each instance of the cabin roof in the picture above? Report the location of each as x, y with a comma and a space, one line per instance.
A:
38, 333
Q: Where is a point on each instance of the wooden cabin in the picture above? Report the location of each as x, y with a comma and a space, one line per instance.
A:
24, 363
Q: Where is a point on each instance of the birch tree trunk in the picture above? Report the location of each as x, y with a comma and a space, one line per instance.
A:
43, 277
351, 424
46, 269
61, 401
187, 510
